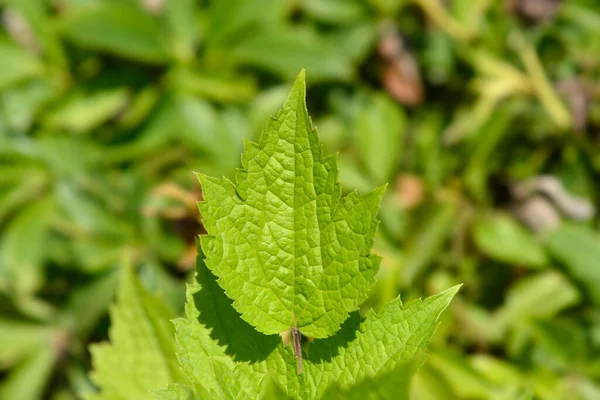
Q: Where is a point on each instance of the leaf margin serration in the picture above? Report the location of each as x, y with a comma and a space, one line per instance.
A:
160, 364
404, 329
322, 294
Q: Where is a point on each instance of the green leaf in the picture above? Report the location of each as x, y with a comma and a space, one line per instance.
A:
362, 349
17, 64
380, 125
139, 108
389, 385
22, 103
120, 29
481, 165
335, 11
176, 392
18, 338
562, 343
87, 304
536, 297
274, 391
429, 384
232, 19
355, 41
222, 89
141, 355
502, 238
496, 370
285, 51
288, 249
213, 335
228, 358
388, 7
428, 241
83, 112
180, 22
578, 248
463, 380
22, 248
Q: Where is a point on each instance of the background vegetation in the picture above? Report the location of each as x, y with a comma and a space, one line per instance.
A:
483, 115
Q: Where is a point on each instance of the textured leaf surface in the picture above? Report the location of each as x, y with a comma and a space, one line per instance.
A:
224, 355
388, 385
286, 247
213, 337
176, 392
141, 355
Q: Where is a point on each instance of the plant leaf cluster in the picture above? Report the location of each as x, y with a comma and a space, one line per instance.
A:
285, 220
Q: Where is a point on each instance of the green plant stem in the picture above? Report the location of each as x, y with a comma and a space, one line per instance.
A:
543, 88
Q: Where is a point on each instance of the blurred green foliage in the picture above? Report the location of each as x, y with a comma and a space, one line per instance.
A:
484, 116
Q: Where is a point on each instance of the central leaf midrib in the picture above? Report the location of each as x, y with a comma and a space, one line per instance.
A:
294, 322
299, 116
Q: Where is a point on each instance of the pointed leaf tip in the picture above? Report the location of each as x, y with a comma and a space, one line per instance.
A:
302, 75
445, 296
300, 84
289, 196
381, 190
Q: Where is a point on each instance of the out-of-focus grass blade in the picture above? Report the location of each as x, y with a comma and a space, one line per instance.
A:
20, 384
427, 242
23, 245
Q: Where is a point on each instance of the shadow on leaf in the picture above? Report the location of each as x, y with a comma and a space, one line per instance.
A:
323, 350
243, 342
